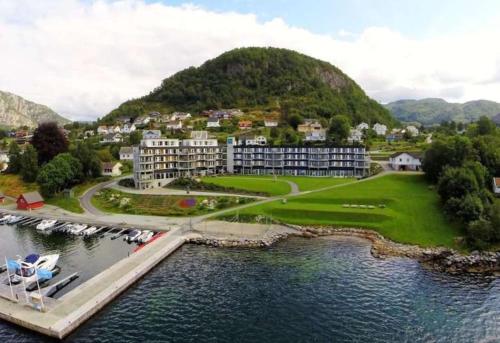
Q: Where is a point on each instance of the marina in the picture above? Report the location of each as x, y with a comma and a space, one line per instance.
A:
94, 267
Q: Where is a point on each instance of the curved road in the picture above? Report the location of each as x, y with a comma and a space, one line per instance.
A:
85, 198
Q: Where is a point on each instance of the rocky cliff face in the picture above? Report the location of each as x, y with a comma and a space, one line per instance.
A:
16, 111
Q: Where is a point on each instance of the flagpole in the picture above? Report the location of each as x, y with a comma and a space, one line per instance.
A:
39, 291
8, 275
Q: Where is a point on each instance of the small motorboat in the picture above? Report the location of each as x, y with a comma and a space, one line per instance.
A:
77, 228
132, 236
145, 236
5, 218
31, 263
46, 224
14, 219
89, 231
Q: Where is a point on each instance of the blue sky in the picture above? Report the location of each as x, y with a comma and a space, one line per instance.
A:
416, 18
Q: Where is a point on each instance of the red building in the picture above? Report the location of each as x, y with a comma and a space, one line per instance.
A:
30, 201
2, 198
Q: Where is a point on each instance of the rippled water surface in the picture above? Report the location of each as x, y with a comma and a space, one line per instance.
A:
321, 290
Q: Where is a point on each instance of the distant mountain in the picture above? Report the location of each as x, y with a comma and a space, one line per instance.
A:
260, 79
434, 111
16, 111
496, 119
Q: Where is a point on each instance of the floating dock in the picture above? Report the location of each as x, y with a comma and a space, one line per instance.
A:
67, 313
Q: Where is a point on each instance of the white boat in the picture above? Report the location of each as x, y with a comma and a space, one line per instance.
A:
132, 236
46, 224
5, 218
89, 231
14, 219
30, 264
77, 228
145, 236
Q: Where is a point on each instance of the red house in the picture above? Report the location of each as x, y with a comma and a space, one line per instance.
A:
2, 198
30, 201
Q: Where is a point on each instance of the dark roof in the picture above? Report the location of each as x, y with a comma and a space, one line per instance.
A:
32, 197
213, 119
108, 165
412, 154
126, 150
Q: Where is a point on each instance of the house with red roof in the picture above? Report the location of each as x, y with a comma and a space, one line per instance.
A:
30, 201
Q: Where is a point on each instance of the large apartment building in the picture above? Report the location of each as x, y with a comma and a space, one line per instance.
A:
157, 160
341, 161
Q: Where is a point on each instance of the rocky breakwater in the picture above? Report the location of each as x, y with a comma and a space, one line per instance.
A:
267, 240
439, 258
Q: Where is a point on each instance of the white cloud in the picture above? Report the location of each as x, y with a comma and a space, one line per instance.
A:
83, 59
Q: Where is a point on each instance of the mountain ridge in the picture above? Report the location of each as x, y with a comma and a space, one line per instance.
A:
430, 111
264, 78
16, 111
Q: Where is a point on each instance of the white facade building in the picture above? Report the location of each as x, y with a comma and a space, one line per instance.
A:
412, 130
355, 135
405, 161
213, 122
257, 140
151, 134
363, 126
380, 129
126, 153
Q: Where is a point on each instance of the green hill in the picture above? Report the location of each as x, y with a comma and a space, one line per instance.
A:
434, 111
261, 78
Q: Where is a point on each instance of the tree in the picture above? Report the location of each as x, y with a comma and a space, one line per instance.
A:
61, 172
91, 166
104, 155
135, 137
485, 126
480, 234
339, 128
14, 158
295, 120
29, 164
49, 141
456, 183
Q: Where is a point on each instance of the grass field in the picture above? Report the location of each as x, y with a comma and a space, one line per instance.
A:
12, 185
110, 200
69, 204
272, 186
411, 211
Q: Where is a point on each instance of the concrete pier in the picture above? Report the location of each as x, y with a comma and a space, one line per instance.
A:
67, 313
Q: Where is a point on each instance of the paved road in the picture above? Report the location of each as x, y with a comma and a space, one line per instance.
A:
85, 198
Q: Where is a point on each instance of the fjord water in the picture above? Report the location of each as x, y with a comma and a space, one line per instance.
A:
321, 290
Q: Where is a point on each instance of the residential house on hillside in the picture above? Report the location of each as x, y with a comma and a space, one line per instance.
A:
213, 122
270, 123
174, 125
112, 138
412, 131
245, 124
124, 120
22, 136
363, 126
111, 169
154, 114
181, 116
199, 135
496, 186
394, 137
115, 129
142, 120
309, 125
151, 134
128, 128
257, 140
316, 135
126, 153
355, 135
102, 130
88, 133
405, 161
4, 160
380, 129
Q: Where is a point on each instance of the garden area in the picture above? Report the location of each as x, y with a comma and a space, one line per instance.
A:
401, 207
114, 201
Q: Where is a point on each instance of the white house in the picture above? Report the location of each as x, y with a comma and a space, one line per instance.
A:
363, 126
355, 135
317, 135
270, 123
128, 128
174, 125
126, 153
88, 133
405, 161
142, 120
257, 140
116, 129
112, 138
496, 186
213, 122
102, 130
180, 116
151, 134
380, 129
111, 168
412, 130
4, 160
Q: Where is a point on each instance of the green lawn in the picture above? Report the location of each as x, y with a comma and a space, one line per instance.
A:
69, 204
275, 186
113, 201
78, 190
411, 211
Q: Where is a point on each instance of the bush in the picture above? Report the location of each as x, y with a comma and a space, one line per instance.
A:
480, 233
128, 182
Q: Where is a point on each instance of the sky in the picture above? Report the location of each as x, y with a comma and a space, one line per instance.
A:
84, 57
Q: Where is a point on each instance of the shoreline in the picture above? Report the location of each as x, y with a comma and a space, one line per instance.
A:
437, 258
